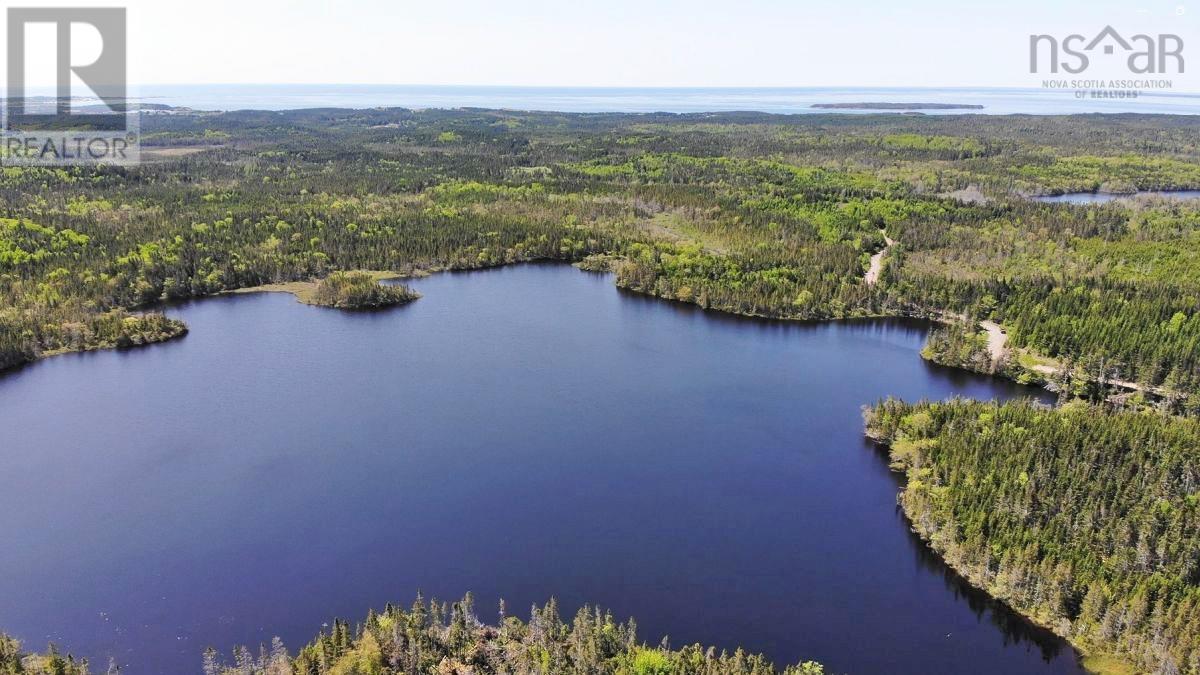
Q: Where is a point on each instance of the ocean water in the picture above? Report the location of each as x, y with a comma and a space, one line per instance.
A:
995, 101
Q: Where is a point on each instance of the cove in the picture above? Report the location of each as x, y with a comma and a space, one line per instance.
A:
518, 433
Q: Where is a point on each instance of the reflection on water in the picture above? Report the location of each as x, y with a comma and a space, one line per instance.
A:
1016, 629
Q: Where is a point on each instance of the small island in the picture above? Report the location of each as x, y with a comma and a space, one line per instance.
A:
357, 290
883, 105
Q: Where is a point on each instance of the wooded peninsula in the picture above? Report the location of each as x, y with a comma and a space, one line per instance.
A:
1082, 518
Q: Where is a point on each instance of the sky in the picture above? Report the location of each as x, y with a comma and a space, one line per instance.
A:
630, 43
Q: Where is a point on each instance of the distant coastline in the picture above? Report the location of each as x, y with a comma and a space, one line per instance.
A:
775, 100
883, 105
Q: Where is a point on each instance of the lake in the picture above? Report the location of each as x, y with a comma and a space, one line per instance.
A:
1104, 197
519, 433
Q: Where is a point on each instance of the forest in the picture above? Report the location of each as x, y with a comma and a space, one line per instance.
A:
741, 212
443, 638
1082, 517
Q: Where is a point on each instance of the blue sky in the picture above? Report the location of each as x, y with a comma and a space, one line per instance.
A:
617, 42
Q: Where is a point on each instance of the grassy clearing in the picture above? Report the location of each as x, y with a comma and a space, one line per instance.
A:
1107, 664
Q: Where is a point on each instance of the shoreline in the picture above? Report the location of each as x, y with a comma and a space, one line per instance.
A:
179, 331
1101, 663
302, 290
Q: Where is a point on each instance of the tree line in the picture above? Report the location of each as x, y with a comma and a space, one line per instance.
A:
438, 637
1082, 517
748, 213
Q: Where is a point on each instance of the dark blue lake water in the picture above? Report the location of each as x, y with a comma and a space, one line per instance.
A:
519, 433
